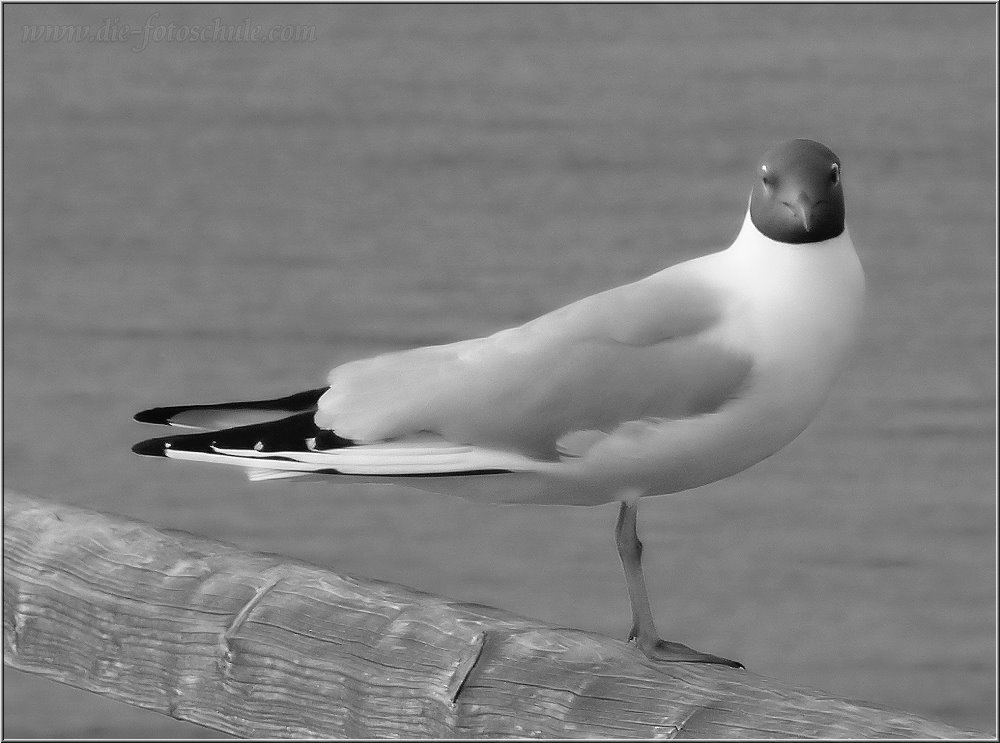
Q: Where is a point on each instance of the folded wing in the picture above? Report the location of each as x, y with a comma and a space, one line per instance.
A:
642, 350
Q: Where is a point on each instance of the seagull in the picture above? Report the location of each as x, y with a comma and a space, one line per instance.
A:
674, 381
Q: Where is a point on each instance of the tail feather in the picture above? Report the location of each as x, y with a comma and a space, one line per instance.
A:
232, 414
258, 474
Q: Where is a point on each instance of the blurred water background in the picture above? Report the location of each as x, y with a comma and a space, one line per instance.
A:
205, 221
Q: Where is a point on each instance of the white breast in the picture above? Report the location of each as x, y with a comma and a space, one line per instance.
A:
798, 316
801, 309
795, 310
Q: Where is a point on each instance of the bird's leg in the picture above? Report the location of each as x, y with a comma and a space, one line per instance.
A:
630, 551
643, 629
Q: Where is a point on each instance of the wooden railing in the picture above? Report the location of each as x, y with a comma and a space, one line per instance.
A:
260, 646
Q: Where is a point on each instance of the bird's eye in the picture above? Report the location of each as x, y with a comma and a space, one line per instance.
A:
769, 180
835, 174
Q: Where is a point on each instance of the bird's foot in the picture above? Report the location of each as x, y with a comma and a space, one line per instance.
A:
674, 652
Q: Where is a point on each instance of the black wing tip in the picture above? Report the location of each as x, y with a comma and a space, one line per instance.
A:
151, 448
296, 403
289, 433
156, 416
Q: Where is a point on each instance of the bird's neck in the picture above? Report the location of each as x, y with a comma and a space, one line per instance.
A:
796, 284
812, 292
750, 239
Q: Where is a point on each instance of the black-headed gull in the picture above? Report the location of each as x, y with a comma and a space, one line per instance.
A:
674, 381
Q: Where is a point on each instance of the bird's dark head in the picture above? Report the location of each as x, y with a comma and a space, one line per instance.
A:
798, 196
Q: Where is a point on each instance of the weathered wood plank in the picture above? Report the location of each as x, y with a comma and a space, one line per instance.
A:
257, 645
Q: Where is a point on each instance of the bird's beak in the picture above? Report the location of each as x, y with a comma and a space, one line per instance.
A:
803, 208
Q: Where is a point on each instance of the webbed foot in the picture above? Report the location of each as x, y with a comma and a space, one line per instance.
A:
674, 652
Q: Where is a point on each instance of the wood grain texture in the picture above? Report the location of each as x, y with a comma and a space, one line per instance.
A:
257, 645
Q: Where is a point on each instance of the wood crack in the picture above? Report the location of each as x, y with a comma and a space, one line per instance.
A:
465, 668
241, 617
